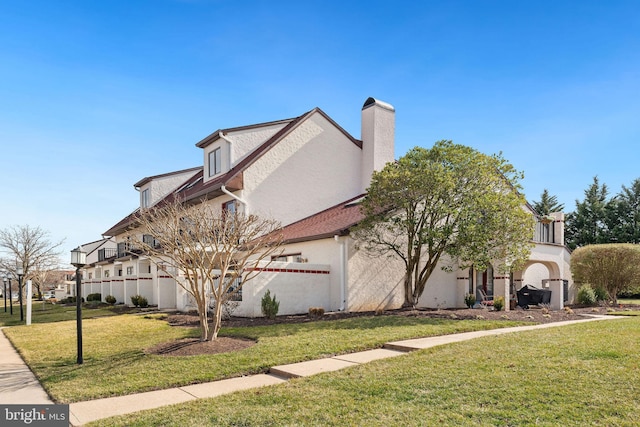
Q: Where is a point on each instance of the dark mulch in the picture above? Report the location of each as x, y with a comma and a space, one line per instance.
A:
190, 347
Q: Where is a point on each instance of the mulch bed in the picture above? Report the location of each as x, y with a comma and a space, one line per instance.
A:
191, 346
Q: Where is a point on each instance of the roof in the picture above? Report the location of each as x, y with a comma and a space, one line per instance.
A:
195, 188
336, 220
145, 180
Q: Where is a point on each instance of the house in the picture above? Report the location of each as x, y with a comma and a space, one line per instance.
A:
308, 173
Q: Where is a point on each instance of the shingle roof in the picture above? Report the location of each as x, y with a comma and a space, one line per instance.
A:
335, 220
195, 188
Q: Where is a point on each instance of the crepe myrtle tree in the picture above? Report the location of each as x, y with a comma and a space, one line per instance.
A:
210, 253
447, 200
613, 267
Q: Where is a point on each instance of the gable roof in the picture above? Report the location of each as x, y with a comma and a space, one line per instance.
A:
195, 188
147, 179
336, 220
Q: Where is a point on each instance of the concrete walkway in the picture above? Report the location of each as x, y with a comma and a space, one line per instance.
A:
18, 383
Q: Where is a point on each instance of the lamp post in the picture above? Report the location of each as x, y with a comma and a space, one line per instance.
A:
20, 273
78, 260
4, 280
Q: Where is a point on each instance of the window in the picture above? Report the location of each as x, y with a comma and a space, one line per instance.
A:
90, 276
288, 258
106, 273
215, 162
229, 207
129, 271
144, 198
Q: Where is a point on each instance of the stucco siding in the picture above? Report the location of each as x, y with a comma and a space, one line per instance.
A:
311, 169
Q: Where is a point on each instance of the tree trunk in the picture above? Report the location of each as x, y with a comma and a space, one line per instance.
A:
216, 321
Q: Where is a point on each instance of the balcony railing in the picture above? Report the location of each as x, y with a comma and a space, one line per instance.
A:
544, 232
106, 253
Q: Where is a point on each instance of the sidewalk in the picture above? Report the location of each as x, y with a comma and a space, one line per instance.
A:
18, 385
17, 381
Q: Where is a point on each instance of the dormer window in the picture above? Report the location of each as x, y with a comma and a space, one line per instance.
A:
215, 162
144, 198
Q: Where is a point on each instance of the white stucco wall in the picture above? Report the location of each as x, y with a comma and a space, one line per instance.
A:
160, 187
243, 142
311, 169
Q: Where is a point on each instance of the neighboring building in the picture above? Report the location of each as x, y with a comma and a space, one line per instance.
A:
308, 173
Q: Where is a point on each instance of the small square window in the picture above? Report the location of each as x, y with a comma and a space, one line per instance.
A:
129, 271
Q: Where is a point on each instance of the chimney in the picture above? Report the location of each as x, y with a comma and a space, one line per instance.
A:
378, 129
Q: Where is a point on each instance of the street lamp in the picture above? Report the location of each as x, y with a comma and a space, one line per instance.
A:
4, 280
20, 273
78, 260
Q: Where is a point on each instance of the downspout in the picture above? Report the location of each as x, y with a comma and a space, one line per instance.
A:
224, 188
343, 271
233, 196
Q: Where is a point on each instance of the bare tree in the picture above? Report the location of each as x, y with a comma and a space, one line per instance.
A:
210, 253
29, 247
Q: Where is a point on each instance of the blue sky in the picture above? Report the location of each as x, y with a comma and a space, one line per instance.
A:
95, 95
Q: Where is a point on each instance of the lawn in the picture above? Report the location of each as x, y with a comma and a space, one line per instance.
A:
584, 374
46, 313
115, 362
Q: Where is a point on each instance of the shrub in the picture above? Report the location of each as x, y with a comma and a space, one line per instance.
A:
498, 303
601, 293
470, 300
586, 296
136, 300
94, 297
110, 299
270, 305
317, 311
142, 301
70, 300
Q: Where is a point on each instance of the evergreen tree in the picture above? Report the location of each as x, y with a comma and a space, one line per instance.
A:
547, 204
625, 214
590, 222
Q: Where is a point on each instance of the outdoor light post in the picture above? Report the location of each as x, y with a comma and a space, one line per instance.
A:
4, 280
78, 260
20, 273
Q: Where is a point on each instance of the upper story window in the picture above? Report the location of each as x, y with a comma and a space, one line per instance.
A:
229, 207
144, 198
215, 162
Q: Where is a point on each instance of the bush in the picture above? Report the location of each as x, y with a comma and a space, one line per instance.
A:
586, 295
601, 294
498, 303
70, 300
316, 311
470, 300
94, 297
139, 301
142, 301
270, 306
110, 299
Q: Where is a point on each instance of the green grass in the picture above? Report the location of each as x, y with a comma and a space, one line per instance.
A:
115, 362
584, 374
628, 301
47, 313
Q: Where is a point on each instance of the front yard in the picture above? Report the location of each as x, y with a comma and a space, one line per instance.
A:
585, 374
115, 361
